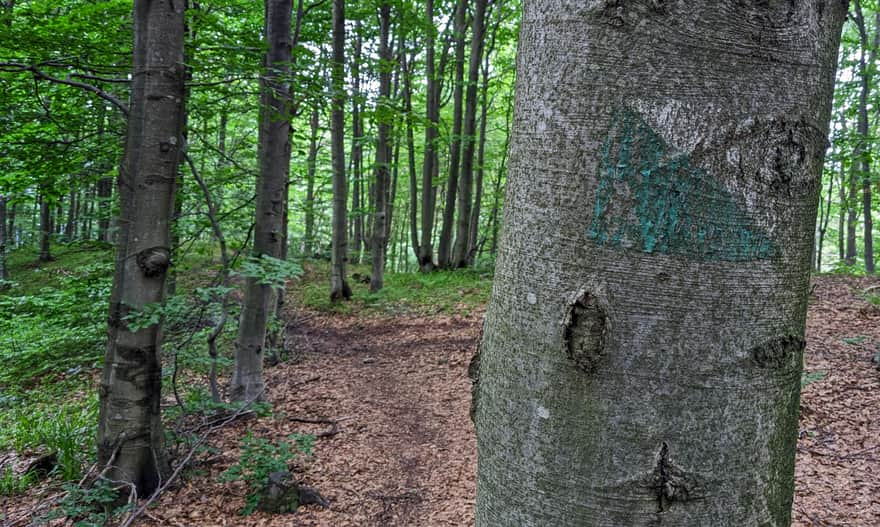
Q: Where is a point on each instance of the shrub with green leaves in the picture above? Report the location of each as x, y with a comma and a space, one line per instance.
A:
259, 458
88, 506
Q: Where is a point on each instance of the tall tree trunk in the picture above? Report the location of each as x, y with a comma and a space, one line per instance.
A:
4, 271
843, 209
11, 238
274, 159
311, 164
339, 288
444, 245
642, 350
130, 435
357, 148
867, 61
384, 117
474, 228
824, 217
502, 172
45, 229
465, 203
432, 116
851, 214
71, 217
411, 157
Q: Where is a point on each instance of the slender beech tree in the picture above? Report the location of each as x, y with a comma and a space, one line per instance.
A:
465, 193
274, 160
357, 146
474, 228
130, 435
311, 165
861, 155
406, 67
444, 244
642, 351
425, 254
339, 288
4, 271
45, 227
381, 185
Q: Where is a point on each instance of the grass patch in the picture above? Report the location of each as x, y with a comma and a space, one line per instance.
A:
457, 292
808, 378
53, 318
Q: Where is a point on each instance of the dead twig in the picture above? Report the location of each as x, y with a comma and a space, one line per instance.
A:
332, 431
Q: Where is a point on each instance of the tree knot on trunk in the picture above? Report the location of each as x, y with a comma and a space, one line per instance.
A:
585, 330
670, 483
779, 353
154, 261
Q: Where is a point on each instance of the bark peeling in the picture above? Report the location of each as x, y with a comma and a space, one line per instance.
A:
585, 328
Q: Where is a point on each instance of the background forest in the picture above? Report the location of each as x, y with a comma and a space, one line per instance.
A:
427, 111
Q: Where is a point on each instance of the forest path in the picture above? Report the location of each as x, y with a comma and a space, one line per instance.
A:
838, 462
405, 453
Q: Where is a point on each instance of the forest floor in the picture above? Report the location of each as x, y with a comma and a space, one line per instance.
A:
403, 452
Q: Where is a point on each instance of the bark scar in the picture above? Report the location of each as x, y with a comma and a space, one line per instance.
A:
585, 328
779, 353
670, 483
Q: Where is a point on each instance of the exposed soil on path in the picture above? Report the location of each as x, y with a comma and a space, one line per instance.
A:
404, 452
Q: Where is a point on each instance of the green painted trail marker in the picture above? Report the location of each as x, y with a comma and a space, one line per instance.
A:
652, 199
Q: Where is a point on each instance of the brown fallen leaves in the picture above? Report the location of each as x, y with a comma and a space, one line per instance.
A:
404, 454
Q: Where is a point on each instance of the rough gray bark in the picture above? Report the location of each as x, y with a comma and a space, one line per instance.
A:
274, 158
384, 116
130, 435
425, 254
339, 288
642, 351
444, 244
465, 199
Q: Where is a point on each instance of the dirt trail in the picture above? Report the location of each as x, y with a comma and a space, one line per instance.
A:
405, 453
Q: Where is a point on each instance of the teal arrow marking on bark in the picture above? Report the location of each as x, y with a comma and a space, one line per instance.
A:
653, 199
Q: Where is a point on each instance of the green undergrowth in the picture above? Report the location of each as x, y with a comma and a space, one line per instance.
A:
458, 292
53, 317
